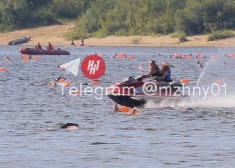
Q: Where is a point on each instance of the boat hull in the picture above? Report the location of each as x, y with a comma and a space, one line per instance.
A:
33, 51
141, 100
127, 101
19, 41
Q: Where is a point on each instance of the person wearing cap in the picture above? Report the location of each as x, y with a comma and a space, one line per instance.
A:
166, 73
153, 71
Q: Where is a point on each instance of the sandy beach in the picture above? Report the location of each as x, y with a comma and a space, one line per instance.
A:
54, 34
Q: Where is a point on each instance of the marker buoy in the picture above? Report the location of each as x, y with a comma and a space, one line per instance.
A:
70, 126
219, 82
76, 92
185, 81
123, 54
124, 109
36, 57
95, 82
2, 69
132, 57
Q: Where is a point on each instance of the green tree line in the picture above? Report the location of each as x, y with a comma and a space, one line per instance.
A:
19, 14
121, 17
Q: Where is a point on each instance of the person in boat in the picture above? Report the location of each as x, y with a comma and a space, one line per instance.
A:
166, 73
82, 42
50, 46
153, 71
72, 43
38, 46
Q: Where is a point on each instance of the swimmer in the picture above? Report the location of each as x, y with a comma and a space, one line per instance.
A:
61, 78
7, 58
52, 83
59, 81
70, 126
114, 55
187, 109
201, 65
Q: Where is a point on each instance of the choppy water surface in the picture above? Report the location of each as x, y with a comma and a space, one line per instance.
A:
160, 136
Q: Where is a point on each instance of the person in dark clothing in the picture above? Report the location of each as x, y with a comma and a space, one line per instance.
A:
153, 71
72, 43
38, 46
82, 42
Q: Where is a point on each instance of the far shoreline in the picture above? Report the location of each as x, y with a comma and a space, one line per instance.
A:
25, 45
126, 45
55, 35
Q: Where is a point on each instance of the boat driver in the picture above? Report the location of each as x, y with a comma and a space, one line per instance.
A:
153, 70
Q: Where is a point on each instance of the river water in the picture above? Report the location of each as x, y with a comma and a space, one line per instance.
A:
164, 135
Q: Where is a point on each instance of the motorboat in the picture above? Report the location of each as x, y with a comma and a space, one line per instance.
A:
33, 51
19, 41
134, 92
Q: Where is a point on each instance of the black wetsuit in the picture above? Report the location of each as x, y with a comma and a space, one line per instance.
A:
157, 73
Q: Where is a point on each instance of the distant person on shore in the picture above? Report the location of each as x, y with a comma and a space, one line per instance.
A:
50, 46
82, 42
38, 46
72, 43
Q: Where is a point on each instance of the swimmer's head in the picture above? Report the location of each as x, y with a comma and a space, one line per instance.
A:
70, 126
115, 108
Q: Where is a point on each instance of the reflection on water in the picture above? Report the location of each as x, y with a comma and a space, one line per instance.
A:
164, 136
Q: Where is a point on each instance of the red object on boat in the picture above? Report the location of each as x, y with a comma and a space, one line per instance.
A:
33, 51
